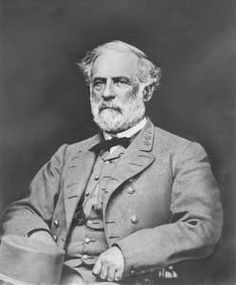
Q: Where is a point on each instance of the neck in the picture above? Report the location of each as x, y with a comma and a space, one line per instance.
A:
128, 132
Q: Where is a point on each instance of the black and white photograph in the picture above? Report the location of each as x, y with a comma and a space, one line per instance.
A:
117, 146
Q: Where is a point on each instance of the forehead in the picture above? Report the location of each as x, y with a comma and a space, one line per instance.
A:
114, 64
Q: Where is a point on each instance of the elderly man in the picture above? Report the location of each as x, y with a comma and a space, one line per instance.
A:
130, 201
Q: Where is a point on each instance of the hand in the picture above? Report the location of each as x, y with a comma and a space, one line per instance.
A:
42, 236
110, 264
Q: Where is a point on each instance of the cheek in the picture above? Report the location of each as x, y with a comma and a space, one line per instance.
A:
128, 95
135, 89
95, 95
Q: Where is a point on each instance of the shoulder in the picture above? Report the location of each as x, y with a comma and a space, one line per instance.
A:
68, 151
83, 145
169, 139
166, 142
182, 154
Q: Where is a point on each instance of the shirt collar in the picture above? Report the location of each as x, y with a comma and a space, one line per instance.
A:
127, 133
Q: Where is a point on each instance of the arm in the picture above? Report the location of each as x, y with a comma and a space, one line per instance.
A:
196, 221
35, 212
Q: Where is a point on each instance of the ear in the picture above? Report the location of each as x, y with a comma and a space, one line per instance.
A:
147, 93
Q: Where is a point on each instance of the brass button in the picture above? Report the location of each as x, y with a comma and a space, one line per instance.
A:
87, 194
56, 223
134, 219
54, 237
96, 177
87, 240
147, 143
85, 257
130, 190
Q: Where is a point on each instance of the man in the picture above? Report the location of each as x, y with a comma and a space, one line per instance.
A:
133, 199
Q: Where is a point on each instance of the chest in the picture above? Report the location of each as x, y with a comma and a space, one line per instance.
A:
143, 200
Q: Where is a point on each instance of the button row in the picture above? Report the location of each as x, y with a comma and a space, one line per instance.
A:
55, 237
80, 221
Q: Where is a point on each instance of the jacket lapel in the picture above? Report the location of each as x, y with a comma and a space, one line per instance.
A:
136, 159
78, 172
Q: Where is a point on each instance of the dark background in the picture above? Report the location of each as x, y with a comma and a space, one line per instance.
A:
44, 100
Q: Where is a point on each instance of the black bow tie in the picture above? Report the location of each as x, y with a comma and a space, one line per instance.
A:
107, 144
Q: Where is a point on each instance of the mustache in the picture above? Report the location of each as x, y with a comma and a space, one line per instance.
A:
114, 107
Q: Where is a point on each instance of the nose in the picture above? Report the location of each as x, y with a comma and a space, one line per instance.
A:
108, 92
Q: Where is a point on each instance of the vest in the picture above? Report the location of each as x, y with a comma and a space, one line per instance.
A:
86, 239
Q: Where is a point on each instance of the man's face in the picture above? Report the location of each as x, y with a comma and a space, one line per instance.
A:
115, 92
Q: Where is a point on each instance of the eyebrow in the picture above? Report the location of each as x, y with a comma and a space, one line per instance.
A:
119, 78
103, 79
115, 79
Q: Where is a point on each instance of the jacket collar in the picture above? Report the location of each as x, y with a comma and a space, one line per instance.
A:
143, 140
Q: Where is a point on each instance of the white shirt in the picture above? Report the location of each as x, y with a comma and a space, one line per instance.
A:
127, 133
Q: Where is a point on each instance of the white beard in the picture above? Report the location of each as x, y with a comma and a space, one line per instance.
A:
118, 117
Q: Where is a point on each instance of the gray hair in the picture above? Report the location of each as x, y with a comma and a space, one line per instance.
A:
148, 72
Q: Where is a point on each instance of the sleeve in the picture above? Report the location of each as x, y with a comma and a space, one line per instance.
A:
196, 222
35, 212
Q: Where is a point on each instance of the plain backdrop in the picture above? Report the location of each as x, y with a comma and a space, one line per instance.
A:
44, 100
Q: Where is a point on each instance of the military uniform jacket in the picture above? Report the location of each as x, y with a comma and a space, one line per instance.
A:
163, 204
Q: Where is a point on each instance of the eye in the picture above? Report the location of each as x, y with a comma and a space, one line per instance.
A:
122, 81
98, 84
